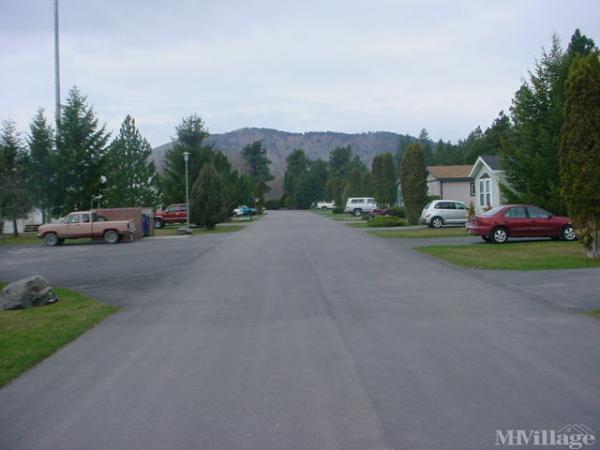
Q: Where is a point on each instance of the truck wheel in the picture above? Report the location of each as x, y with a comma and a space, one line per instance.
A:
158, 224
357, 212
51, 239
111, 237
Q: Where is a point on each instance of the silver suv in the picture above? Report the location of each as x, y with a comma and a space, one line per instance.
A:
441, 212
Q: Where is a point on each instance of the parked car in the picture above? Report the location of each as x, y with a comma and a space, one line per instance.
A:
359, 205
86, 224
244, 210
502, 222
176, 213
438, 213
380, 212
326, 205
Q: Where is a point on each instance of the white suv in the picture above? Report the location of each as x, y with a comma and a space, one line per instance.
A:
441, 212
360, 205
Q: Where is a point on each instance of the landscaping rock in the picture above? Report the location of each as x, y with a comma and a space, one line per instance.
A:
27, 293
185, 230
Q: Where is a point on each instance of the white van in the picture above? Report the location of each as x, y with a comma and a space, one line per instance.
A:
360, 205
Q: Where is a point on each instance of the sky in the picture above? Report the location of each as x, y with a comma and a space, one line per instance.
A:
338, 65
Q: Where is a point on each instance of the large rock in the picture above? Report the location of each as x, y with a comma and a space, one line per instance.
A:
27, 293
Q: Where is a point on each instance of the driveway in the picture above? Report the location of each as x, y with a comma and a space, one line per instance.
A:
302, 333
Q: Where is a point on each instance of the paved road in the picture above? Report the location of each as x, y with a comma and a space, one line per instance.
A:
301, 333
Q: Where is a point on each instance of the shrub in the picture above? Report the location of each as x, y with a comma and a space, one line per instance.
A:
273, 204
337, 210
386, 221
398, 212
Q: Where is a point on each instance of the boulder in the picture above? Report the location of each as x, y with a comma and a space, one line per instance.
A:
27, 293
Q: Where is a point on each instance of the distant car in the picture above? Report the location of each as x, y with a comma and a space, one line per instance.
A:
359, 205
176, 213
380, 212
244, 210
326, 205
438, 213
502, 222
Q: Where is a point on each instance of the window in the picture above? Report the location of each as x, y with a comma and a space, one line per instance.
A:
518, 212
493, 211
485, 191
74, 218
459, 206
472, 188
85, 218
538, 213
445, 205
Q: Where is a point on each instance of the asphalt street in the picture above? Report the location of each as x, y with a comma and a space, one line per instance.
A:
297, 333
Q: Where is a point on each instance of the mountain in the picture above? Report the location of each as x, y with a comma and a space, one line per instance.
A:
279, 144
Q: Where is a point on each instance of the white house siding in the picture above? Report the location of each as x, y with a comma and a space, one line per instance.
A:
458, 190
33, 218
495, 177
433, 186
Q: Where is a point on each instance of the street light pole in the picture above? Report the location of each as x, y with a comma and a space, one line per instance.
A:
56, 66
186, 156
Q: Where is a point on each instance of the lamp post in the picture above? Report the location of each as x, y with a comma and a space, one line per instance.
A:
186, 157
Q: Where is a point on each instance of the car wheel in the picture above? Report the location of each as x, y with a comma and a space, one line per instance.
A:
485, 238
51, 239
568, 233
357, 212
437, 222
111, 237
158, 224
499, 235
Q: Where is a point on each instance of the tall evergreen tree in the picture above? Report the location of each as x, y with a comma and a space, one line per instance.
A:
580, 150
296, 165
208, 202
383, 179
531, 154
257, 166
82, 146
15, 197
413, 178
190, 137
41, 163
131, 176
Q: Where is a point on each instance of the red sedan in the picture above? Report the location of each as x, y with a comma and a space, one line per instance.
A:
502, 222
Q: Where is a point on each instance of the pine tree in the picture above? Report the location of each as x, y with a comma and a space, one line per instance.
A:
383, 178
531, 155
131, 176
257, 166
413, 178
41, 163
208, 202
580, 150
190, 137
296, 165
82, 146
427, 146
15, 198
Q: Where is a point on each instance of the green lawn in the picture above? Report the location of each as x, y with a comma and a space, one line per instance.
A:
30, 335
24, 238
221, 228
595, 314
422, 233
538, 255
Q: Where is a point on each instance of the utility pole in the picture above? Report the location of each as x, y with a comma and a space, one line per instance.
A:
56, 66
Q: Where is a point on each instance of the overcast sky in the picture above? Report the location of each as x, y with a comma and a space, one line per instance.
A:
340, 65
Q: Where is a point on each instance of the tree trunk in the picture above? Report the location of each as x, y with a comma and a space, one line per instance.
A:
594, 248
15, 229
1, 228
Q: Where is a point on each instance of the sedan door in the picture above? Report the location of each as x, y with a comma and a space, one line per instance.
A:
517, 221
542, 224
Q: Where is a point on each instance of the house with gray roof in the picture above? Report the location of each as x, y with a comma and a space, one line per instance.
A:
487, 175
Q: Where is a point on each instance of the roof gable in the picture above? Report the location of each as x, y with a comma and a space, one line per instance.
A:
449, 172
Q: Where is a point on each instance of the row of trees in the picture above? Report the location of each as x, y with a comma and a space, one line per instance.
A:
77, 166
344, 175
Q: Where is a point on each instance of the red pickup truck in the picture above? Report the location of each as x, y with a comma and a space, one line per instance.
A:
176, 213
